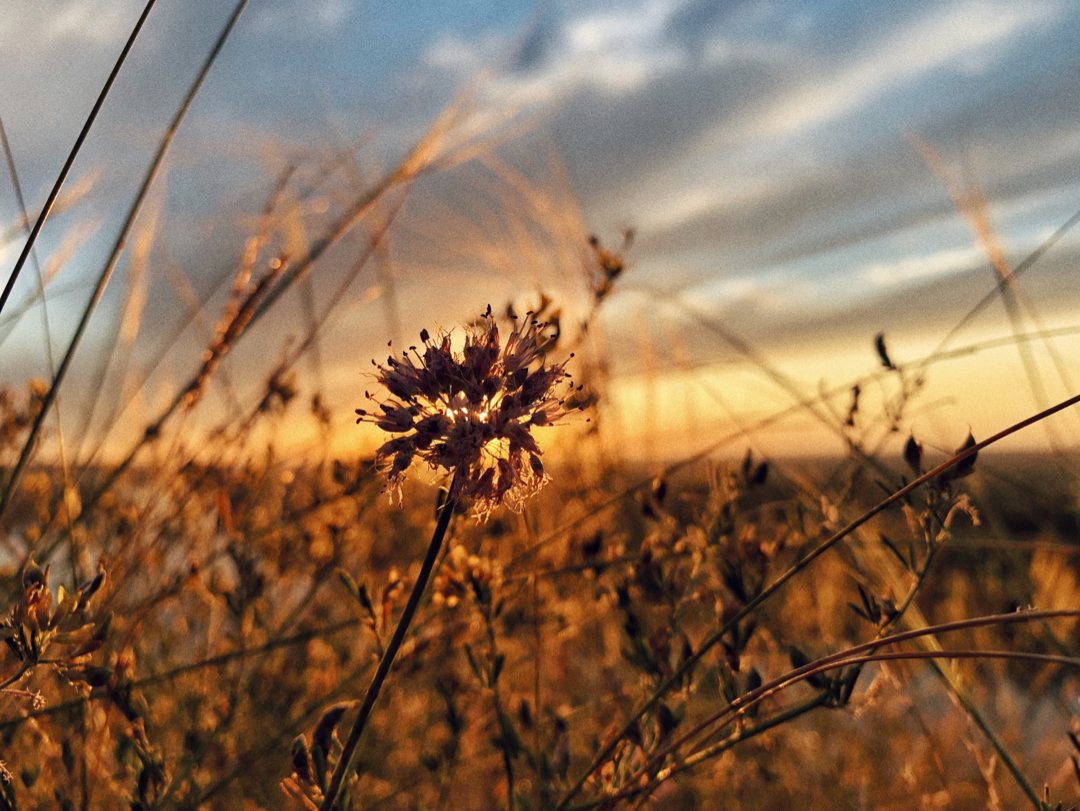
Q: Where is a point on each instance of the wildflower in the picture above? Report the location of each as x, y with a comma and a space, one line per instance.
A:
471, 412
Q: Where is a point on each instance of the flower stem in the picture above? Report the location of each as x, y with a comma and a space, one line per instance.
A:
348, 753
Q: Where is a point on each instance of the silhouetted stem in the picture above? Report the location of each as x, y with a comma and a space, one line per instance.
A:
868, 652
348, 753
114, 258
59, 184
775, 586
12, 679
747, 733
820, 699
858, 655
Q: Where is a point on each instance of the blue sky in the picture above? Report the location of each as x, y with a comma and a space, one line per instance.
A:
763, 152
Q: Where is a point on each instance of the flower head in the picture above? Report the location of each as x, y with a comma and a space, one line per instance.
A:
471, 412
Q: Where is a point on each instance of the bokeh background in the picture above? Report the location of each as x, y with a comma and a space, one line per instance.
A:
799, 177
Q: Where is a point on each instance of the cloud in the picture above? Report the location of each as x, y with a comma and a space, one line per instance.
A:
460, 56
733, 291
949, 262
664, 210
313, 18
613, 51
41, 25
771, 204
724, 50
966, 36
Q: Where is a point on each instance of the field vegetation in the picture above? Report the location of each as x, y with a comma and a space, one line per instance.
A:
194, 619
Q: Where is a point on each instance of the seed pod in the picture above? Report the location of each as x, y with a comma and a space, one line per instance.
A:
301, 759
34, 576
913, 455
883, 353
324, 730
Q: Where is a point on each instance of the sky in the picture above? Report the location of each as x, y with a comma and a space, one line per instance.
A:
791, 172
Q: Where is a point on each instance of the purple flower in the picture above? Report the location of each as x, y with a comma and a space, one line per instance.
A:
471, 412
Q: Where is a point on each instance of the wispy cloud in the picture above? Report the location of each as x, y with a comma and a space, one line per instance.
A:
669, 209
38, 25
775, 291
740, 175
608, 50
722, 49
949, 262
315, 17
967, 36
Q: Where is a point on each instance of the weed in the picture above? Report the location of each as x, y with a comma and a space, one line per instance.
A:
201, 620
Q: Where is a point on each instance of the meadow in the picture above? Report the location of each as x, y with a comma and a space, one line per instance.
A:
195, 612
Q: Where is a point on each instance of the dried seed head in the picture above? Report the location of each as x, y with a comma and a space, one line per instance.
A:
324, 730
471, 412
301, 759
913, 455
34, 576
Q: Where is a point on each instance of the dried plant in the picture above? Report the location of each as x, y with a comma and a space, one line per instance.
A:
469, 414
472, 413
878, 632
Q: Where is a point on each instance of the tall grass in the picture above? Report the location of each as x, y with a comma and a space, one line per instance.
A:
196, 619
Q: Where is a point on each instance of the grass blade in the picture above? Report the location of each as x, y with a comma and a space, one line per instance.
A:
114, 257
71, 160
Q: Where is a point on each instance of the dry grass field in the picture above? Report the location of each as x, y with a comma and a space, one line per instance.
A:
195, 612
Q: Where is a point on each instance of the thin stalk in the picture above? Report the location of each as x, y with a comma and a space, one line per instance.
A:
747, 733
361, 207
804, 562
823, 698
773, 419
952, 681
348, 753
508, 763
114, 258
47, 330
18, 675
30, 240
17, 187
861, 655
1001, 285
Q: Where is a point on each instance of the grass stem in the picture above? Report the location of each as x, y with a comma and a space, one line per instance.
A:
114, 258
59, 184
804, 562
348, 754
